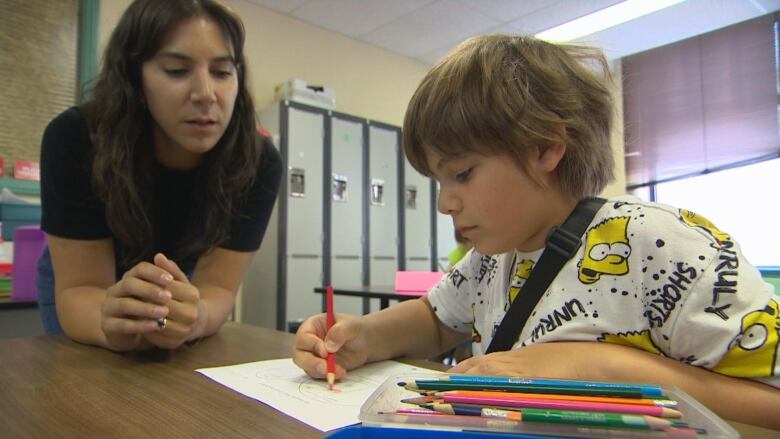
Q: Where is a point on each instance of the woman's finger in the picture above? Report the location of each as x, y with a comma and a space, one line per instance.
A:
170, 266
118, 325
151, 273
131, 286
131, 307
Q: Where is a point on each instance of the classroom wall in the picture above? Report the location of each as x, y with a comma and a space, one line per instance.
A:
369, 82
38, 65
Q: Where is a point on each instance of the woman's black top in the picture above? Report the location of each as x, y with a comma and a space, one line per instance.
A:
72, 210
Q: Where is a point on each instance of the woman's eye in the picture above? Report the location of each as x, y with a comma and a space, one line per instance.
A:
176, 72
223, 73
463, 176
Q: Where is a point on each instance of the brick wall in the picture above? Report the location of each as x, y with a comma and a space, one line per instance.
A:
38, 45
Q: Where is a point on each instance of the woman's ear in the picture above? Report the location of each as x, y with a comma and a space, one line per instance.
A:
549, 157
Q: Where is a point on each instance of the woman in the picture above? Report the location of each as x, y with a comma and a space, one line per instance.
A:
156, 193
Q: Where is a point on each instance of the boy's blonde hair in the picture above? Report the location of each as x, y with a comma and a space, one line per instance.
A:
510, 93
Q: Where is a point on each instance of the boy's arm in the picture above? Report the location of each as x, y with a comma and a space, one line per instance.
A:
737, 399
409, 328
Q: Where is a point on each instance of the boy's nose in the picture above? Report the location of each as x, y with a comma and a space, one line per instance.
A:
448, 204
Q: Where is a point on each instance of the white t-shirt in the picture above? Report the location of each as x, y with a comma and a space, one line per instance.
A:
647, 275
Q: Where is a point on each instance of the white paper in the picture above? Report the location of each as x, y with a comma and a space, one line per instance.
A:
285, 387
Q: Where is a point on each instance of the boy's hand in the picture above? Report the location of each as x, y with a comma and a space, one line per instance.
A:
346, 339
566, 360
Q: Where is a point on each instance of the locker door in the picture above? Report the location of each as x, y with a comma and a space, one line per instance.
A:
383, 204
417, 227
445, 236
305, 134
346, 192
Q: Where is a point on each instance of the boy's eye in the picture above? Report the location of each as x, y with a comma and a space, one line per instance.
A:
463, 176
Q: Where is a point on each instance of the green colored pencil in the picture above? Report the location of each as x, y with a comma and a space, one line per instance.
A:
569, 417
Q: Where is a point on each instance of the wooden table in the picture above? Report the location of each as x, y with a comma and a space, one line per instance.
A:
385, 293
53, 387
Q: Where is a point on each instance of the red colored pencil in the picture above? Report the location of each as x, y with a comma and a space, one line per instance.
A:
330, 320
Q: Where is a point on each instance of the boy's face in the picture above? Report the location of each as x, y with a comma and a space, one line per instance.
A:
494, 203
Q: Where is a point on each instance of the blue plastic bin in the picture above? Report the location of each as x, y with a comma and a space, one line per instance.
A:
360, 432
15, 214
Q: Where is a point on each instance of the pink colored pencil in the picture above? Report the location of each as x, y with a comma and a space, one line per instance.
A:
546, 396
634, 409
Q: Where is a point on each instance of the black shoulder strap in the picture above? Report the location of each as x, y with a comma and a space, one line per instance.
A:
562, 244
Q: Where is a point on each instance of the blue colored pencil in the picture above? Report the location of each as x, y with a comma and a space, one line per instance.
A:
644, 389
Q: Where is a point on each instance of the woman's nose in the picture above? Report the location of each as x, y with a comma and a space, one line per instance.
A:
203, 87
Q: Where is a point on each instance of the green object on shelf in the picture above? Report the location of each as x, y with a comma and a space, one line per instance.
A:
5, 284
771, 275
21, 187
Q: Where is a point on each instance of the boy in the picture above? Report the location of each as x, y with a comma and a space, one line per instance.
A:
516, 131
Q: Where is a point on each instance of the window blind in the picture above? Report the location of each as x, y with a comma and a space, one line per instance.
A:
702, 104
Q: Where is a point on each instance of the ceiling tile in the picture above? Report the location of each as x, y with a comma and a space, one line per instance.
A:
355, 17
554, 14
433, 57
431, 27
681, 21
507, 10
285, 6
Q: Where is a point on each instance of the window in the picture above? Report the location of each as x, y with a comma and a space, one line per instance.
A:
743, 202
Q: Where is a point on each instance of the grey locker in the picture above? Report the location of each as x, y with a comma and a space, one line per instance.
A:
305, 153
383, 206
279, 286
347, 204
417, 220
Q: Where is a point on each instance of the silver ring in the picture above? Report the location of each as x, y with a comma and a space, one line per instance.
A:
162, 323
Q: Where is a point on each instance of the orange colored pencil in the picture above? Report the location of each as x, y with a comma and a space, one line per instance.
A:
548, 396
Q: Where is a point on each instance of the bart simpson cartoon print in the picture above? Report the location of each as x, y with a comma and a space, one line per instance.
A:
606, 250
634, 339
693, 219
753, 353
522, 273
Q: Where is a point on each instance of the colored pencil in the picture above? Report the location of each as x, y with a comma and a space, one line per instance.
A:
331, 376
563, 417
587, 406
414, 411
644, 389
425, 385
606, 399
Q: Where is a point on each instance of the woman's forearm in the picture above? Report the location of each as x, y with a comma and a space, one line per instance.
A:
216, 304
79, 314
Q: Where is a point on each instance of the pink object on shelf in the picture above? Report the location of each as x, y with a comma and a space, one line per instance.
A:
416, 283
29, 242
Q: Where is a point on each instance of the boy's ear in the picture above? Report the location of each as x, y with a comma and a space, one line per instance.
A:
550, 156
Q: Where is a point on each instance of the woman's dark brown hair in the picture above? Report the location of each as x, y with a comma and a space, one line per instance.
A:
121, 127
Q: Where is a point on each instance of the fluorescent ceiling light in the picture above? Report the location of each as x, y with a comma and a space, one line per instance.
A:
603, 19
